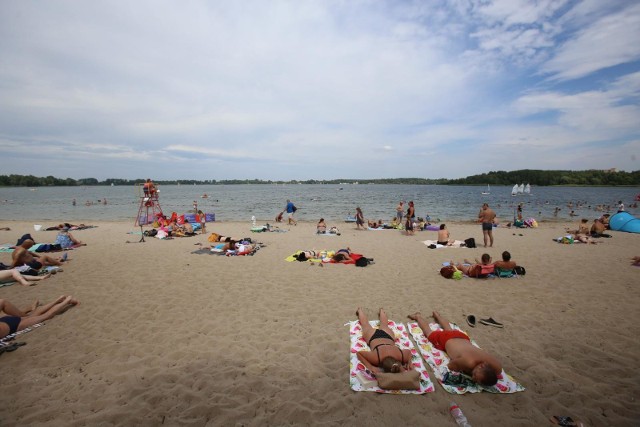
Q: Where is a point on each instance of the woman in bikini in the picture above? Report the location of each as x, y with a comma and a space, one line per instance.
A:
16, 320
384, 354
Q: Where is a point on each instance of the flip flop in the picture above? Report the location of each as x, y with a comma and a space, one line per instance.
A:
491, 322
565, 421
471, 320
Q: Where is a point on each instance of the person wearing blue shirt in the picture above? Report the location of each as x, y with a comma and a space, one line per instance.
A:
291, 209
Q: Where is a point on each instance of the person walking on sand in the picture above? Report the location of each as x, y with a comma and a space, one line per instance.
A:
481, 366
291, 209
487, 216
17, 320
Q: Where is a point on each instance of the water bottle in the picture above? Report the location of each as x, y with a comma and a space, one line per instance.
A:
457, 415
253, 220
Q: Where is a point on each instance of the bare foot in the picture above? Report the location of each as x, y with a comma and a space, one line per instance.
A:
46, 276
35, 305
358, 311
72, 301
61, 298
414, 316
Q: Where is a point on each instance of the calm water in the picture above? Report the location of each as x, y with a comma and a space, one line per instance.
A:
333, 202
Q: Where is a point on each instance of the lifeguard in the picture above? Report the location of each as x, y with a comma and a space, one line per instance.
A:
148, 188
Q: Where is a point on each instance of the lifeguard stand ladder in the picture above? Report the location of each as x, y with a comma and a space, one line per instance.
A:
149, 208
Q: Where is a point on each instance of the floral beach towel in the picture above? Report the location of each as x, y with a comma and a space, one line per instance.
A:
452, 382
360, 379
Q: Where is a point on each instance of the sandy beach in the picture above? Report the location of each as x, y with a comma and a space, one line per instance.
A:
164, 336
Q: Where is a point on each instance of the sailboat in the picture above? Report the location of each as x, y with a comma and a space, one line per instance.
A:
521, 189
514, 190
527, 189
488, 190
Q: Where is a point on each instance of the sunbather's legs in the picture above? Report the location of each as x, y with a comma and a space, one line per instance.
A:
367, 329
38, 310
10, 309
47, 260
424, 325
27, 281
57, 308
442, 321
384, 322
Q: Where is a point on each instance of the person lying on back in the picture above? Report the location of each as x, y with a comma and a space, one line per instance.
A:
479, 270
464, 357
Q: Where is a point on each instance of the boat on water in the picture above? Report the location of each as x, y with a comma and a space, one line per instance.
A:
485, 193
521, 189
527, 189
514, 190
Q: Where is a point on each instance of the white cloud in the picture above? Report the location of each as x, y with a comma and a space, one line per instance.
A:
307, 89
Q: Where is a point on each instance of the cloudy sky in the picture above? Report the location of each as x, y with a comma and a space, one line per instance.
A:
317, 89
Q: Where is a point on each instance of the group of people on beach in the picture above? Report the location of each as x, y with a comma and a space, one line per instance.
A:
28, 268
385, 356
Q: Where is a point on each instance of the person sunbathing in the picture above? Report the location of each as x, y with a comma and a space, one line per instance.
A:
464, 357
384, 355
66, 239
443, 236
321, 228
21, 256
17, 320
14, 275
479, 269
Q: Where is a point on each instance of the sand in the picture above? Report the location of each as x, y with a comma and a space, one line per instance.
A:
164, 336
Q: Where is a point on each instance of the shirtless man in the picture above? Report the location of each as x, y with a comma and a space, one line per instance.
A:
598, 228
506, 263
482, 367
384, 354
21, 256
487, 216
443, 236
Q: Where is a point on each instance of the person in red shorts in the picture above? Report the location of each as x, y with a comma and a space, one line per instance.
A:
482, 367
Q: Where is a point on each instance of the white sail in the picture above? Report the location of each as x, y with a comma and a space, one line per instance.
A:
514, 190
521, 189
488, 190
527, 189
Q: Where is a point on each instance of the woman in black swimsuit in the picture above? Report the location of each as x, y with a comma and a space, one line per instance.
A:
384, 354
17, 320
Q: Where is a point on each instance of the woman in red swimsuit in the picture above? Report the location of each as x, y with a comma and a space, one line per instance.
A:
384, 354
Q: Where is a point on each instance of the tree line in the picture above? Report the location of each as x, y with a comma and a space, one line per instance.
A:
530, 176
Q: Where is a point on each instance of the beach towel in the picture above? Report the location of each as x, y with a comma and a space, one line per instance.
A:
322, 256
456, 244
8, 248
453, 382
361, 380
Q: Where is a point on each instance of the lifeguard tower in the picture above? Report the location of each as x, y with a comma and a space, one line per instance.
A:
149, 208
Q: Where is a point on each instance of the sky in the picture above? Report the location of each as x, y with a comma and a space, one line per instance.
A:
285, 90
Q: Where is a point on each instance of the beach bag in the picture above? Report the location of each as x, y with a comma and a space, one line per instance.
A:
213, 237
294, 209
470, 242
407, 380
447, 271
519, 270
362, 262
